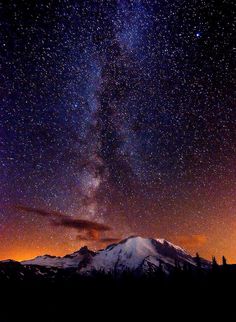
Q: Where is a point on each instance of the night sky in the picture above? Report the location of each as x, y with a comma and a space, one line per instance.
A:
117, 119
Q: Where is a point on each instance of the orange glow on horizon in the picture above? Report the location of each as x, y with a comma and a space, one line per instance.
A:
25, 253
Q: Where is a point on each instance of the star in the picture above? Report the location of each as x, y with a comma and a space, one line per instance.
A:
118, 112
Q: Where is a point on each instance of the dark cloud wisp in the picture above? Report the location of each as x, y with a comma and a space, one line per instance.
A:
64, 220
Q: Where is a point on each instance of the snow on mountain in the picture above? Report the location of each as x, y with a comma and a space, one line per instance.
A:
75, 260
45, 260
137, 253
133, 254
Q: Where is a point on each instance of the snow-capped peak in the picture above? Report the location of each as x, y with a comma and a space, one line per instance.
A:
132, 253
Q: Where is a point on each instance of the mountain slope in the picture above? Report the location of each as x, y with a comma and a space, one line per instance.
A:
137, 253
75, 260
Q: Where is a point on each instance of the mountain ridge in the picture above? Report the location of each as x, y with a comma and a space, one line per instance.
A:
130, 254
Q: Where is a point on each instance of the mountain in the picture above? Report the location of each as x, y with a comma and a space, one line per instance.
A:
140, 255
135, 253
14, 271
77, 259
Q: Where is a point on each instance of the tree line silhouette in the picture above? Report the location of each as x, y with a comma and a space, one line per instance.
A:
185, 286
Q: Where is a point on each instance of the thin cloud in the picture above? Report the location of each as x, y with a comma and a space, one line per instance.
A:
93, 228
37, 211
95, 236
81, 224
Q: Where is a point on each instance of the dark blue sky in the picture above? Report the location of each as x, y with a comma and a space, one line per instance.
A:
119, 112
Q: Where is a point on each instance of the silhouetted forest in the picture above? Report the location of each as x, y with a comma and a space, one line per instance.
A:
114, 296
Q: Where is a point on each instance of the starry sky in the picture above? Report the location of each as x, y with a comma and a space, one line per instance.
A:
117, 118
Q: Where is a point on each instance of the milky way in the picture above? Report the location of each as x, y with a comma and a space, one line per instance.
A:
118, 112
